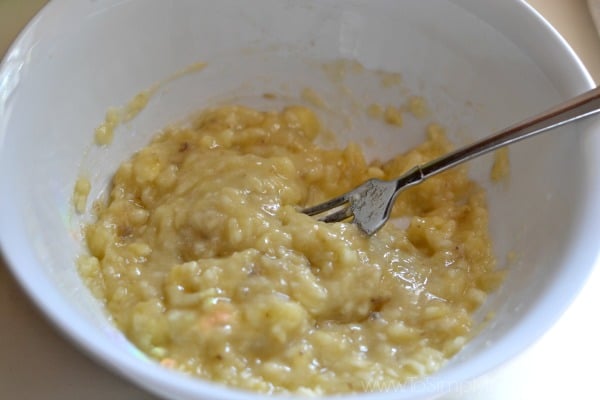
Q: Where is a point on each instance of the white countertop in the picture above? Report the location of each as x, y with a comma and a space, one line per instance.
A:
37, 363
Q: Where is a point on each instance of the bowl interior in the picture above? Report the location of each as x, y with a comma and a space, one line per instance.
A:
479, 66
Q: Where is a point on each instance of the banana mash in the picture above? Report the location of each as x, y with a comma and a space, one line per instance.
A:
204, 261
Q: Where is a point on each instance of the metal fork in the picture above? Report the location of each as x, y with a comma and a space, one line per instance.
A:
370, 204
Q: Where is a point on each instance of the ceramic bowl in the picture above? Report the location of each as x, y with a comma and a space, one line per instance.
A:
479, 65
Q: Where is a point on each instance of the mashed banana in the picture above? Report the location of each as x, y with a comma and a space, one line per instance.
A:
205, 263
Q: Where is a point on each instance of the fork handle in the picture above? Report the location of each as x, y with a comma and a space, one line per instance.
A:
582, 106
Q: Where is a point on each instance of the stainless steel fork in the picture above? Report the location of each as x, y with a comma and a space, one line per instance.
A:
370, 204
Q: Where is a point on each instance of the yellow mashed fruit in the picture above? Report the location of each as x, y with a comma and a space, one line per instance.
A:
205, 262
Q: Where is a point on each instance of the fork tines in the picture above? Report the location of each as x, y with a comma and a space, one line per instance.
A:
338, 209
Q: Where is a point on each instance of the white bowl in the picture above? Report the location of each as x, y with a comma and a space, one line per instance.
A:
481, 66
